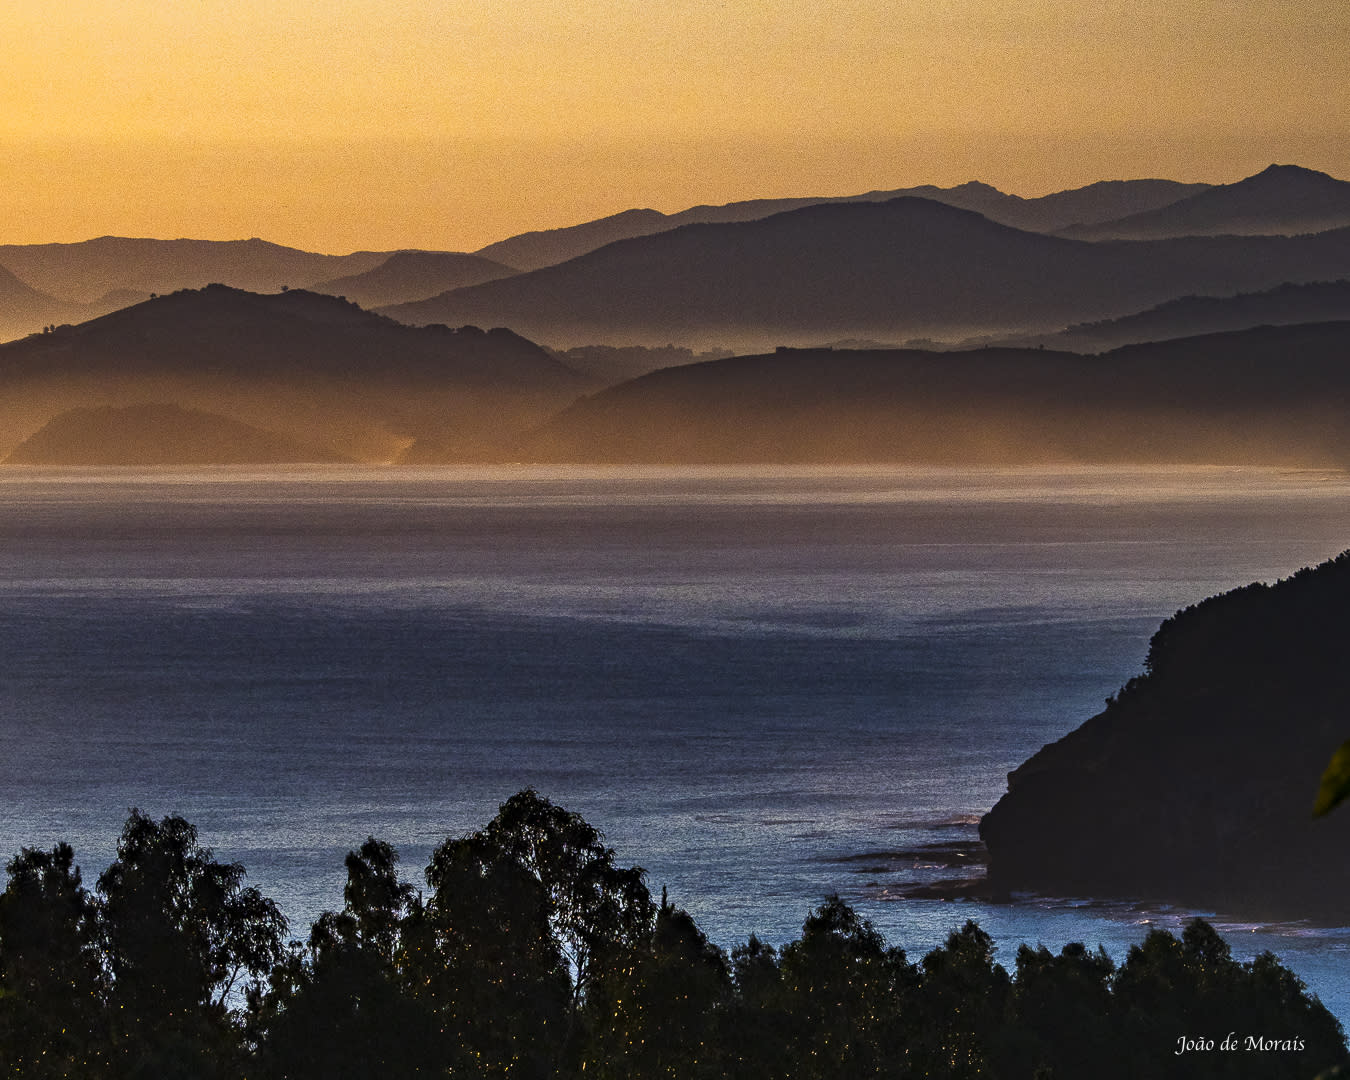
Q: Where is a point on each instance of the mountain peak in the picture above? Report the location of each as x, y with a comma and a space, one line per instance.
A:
1279, 200
973, 186
1291, 174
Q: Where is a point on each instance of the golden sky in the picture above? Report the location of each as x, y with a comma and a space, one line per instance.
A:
338, 125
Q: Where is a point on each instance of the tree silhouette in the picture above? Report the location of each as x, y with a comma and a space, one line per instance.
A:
345, 1010
596, 908
481, 979
660, 1011
51, 979
845, 994
179, 932
489, 963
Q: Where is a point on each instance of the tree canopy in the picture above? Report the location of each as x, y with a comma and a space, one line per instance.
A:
533, 953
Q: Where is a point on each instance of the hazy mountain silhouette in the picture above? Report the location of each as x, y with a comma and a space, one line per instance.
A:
544, 247
1267, 395
314, 368
115, 299
1105, 200
1097, 202
1196, 784
157, 435
24, 309
1187, 316
610, 364
86, 271
889, 270
1281, 200
413, 275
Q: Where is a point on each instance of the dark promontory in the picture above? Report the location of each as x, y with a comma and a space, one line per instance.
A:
1196, 784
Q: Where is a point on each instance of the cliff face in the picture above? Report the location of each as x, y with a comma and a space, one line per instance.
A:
1196, 784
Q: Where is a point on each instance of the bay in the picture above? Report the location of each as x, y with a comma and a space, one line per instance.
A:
764, 685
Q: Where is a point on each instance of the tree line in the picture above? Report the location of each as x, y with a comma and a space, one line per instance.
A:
533, 953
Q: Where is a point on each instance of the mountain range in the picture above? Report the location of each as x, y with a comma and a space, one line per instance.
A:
344, 383
1102, 201
44, 284
1281, 200
59, 283
327, 377
86, 271
888, 270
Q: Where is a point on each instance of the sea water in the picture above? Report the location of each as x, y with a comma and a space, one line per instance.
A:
764, 685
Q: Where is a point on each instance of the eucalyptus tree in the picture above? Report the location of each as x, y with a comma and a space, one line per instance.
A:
52, 980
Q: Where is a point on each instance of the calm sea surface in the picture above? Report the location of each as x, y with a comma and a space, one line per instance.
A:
764, 685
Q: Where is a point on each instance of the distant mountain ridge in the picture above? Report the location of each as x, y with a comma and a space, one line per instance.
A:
413, 275
85, 271
889, 271
112, 272
1281, 200
1094, 203
24, 309
341, 382
639, 278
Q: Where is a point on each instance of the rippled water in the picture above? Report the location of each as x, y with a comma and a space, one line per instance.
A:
763, 684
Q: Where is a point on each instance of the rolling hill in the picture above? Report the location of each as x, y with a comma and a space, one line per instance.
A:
1097, 202
413, 275
1267, 395
24, 310
1187, 316
85, 272
313, 368
152, 434
888, 271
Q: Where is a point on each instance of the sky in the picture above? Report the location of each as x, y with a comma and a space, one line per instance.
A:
342, 125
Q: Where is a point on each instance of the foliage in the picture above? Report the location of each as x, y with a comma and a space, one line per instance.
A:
51, 977
179, 931
535, 955
1335, 786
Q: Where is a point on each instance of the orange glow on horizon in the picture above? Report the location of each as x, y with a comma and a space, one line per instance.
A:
347, 125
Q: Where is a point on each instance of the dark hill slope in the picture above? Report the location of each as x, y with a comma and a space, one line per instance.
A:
545, 247
86, 271
1105, 200
24, 310
1281, 200
315, 368
1097, 202
1317, 301
157, 435
413, 275
877, 270
1196, 784
1277, 394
